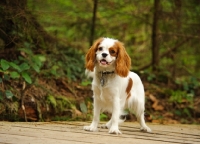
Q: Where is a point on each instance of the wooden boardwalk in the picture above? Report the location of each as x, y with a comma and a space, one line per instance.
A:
73, 133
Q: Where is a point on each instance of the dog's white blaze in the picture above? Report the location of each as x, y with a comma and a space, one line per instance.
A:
107, 43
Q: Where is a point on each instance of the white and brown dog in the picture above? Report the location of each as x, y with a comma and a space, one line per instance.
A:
115, 88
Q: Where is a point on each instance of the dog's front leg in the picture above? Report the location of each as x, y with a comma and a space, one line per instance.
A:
96, 115
114, 129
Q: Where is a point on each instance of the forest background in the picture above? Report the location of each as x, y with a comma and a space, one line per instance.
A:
43, 45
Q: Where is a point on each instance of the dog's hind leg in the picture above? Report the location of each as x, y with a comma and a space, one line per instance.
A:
137, 107
140, 118
107, 125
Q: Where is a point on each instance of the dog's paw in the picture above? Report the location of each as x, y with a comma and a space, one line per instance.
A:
114, 130
90, 128
104, 126
146, 129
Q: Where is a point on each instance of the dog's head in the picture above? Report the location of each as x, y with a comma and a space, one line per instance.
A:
107, 53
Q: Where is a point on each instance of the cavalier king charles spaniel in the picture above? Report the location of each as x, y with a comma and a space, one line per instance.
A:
115, 87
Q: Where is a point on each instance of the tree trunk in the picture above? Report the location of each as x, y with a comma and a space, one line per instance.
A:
178, 27
155, 47
18, 25
93, 22
8, 10
167, 53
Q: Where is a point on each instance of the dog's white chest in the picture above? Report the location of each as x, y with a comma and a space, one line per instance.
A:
105, 95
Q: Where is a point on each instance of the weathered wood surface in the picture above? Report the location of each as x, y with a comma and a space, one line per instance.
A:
73, 133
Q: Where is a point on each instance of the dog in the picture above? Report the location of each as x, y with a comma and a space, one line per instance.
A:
115, 87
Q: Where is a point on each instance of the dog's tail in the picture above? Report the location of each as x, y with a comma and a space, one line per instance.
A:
89, 73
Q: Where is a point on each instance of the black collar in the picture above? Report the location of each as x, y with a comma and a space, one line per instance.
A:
107, 72
102, 78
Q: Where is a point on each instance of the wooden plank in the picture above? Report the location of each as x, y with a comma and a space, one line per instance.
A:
50, 133
72, 132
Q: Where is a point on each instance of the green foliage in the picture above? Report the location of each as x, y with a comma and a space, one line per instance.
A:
131, 25
26, 77
35, 61
59, 103
181, 96
63, 103
85, 82
189, 84
4, 64
83, 107
103, 117
9, 94
51, 100
67, 62
24, 67
12, 70
149, 75
1, 95
14, 75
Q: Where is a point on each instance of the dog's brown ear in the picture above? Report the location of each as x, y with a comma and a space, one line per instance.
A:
123, 62
91, 55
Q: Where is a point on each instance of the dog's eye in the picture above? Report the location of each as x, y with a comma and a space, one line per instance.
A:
100, 48
112, 52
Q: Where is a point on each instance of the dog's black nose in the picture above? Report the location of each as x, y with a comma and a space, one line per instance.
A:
104, 54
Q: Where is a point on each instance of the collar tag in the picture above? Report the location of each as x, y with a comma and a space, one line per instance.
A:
102, 79
103, 74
